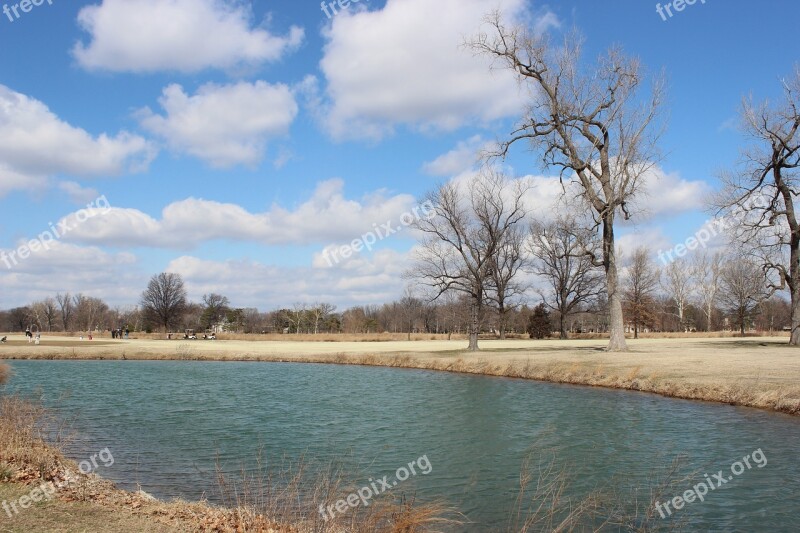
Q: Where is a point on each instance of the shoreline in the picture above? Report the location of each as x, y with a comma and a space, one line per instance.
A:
761, 372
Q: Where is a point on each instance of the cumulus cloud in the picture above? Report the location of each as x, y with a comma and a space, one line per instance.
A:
114, 277
77, 193
176, 35
460, 159
406, 64
667, 193
373, 280
224, 125
326, 216
37, 144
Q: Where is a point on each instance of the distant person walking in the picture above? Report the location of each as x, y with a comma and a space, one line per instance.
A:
28, 334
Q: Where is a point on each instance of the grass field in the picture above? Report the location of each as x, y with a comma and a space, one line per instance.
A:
759, 372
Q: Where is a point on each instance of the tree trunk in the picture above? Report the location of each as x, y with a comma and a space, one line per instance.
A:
616, 324
794, 289
794, 339
502, 314
474, 325
635, 330
562, 326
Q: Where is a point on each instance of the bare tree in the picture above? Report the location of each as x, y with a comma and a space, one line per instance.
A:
411, 309
765, 190
677, 283
66, 309
88, 311
707, 272
642, 280
592, 126
164, 300
462, 235
20, 317
297, 316
44, 313
503, 285
559, 256
319, 313
744, 287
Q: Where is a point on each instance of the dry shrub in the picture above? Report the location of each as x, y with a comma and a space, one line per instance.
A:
546, 500
23, 450
5, 373
288, 498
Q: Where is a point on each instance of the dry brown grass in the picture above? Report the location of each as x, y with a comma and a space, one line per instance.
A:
5, 373
24, 455
290, 497
685, 335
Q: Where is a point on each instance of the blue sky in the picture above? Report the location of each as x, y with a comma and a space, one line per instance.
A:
235, 140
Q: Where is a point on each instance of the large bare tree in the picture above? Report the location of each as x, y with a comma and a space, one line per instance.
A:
588, 123
164, 300
763, 191
558, 250
462, 235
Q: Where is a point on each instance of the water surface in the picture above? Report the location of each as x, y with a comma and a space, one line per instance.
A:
168, 423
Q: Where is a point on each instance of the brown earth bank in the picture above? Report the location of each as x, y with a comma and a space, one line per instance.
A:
762, 372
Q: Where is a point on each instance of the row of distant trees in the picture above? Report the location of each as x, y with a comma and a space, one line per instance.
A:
699, 292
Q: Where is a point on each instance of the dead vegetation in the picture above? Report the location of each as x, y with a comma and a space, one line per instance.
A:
5, 373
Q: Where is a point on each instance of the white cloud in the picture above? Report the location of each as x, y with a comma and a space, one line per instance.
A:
406, 64
37, 144
372, 280
11, 180
665, 194
460, 159
651, 237
67, 267
176, 35
77, 193
224, 125
326, 216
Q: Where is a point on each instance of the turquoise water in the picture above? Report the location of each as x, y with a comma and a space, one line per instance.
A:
167, 423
